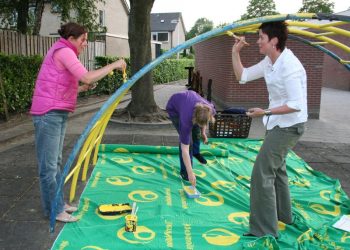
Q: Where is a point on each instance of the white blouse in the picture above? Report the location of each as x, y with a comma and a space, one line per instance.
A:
286, 84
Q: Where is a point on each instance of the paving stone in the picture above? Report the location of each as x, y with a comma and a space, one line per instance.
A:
15, 188
147, 140
5, 204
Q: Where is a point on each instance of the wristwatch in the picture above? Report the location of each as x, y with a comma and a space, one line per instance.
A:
267, 112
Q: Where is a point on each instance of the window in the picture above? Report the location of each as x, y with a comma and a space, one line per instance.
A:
101, 17
163, 37
160, 36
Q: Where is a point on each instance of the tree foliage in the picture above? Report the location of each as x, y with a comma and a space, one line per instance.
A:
259, 8
25, 15
81, 11
317, 6
15, 14
221, 25
201, 26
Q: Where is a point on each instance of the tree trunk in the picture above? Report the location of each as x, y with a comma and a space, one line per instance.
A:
142, 97
38, 16
22, 20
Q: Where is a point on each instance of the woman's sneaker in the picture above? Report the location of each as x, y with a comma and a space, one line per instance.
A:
200, 158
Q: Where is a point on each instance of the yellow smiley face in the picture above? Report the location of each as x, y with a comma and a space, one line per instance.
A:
143, 170
210, 199
220, 237
240, 218
318, 208
211, 162
224, 185
142, 235
199, 173
119, 180
142, 196
122, 160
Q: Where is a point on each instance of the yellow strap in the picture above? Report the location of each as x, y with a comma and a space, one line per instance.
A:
125, 76
325, 34
319, 43
344, 61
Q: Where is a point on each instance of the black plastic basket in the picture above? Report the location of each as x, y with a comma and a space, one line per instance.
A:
230, 125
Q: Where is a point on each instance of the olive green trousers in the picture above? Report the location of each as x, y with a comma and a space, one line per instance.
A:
269, 191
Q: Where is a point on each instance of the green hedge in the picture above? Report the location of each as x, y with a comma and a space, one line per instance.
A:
167, 71
19, 73
109, 84
171, 70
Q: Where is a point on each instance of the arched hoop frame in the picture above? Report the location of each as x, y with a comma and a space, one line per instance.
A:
298, 24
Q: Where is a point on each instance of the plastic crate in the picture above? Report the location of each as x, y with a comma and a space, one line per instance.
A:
230, 125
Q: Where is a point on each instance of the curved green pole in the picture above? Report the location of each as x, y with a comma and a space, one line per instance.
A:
323, 49
142, 72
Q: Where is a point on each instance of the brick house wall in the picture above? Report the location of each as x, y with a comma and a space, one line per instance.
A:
213, 60
335, 75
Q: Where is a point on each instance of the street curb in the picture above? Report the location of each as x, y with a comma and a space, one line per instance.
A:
16, 131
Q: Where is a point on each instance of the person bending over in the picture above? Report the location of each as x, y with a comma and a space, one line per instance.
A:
190, 114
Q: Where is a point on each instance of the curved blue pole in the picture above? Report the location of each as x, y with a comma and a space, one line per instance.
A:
142, 72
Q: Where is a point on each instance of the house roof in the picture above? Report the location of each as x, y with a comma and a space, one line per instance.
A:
344, 13
165, 21
126, 6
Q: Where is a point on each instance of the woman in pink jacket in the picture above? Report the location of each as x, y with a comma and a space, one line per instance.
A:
55, 95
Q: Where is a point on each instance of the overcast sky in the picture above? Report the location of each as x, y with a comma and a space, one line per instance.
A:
226, 11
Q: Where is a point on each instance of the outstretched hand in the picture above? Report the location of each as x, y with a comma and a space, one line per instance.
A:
205, 138
255, 112
192, 178
120, 64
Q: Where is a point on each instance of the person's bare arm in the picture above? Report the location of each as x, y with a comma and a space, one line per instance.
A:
257, 112
204, 135
236, 59
95, 75
187, 161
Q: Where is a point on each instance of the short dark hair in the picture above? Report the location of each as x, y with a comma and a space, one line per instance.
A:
71, 29
276, 29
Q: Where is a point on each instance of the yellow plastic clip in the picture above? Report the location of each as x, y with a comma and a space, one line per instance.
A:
125, 76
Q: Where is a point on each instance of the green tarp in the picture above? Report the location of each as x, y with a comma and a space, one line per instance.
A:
149, 176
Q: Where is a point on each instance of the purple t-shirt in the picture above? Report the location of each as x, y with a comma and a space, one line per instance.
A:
182, 105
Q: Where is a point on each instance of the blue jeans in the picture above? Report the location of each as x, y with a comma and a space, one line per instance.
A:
194, 145
50, 130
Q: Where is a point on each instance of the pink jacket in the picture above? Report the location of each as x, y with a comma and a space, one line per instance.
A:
55, 89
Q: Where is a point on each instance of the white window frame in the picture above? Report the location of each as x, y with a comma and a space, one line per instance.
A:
157, 33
